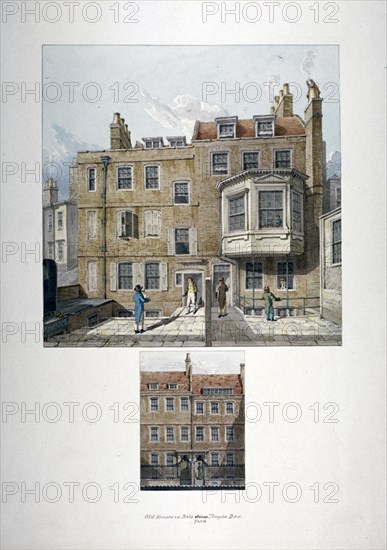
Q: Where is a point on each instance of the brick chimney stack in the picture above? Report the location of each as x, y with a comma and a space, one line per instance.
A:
188, 369
283, 103
314, 164
242, 375
119, 133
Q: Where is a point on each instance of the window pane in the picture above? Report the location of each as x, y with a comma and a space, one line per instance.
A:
199, 434
181, 193
125, 279
336, 241
230, 407
270, 209
230, 459
214, 434
250, 160
264, 128
254, 275
169, 404
124, 177
184, 433
152, 276
285, 275
229, 433
219, 163
182, 241
282, 159
151, 177
236, 213
226, 130
184, 403
91, 179
296, 212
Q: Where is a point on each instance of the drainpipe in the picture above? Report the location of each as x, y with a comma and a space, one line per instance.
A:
287, 286
224, 258
105, 162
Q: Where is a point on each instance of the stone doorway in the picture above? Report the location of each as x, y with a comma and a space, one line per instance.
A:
221, 270
198, 279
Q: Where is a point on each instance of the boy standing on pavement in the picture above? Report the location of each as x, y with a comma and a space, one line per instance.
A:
191, 293
269, 299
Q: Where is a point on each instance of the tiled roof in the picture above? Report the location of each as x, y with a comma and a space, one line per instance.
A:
164, 378
200, 381
288, 126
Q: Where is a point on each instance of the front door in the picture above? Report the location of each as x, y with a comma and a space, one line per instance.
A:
222, 270
199, 474
185, 471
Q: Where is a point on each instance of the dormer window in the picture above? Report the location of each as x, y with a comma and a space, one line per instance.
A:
172, 386
153, 143
226, 127
264, 126
177, 141
226, 131
153, 386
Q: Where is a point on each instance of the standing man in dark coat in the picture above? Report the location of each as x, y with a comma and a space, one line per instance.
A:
220, 294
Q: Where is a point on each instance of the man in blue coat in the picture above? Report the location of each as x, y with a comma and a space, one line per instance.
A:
139, 300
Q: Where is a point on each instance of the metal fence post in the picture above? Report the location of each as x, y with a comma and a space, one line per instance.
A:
207, 321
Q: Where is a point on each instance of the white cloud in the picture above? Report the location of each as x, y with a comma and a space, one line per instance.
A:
183, 112
60, 149
307, 63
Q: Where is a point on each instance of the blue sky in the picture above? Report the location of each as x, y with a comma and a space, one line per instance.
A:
162, 90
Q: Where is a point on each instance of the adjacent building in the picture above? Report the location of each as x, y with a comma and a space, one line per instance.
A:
331, 270
59, 228
242, 200
192, 429
332, 194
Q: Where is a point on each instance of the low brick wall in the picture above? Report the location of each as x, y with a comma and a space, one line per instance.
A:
70, 292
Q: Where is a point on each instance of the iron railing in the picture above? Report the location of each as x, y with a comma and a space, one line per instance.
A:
289, 306
165, 473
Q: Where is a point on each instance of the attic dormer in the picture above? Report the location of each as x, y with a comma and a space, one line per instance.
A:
153, 142
226, 127
264, 125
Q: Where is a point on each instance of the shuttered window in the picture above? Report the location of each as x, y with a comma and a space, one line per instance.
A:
92, 224
127, 225
92, 276
152, 222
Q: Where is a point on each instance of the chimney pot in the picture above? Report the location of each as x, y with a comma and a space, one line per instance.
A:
286, 89
116, 119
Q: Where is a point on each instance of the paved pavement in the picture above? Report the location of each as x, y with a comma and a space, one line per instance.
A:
188, 330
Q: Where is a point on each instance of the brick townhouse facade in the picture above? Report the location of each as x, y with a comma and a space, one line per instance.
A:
192, 428
241, 200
